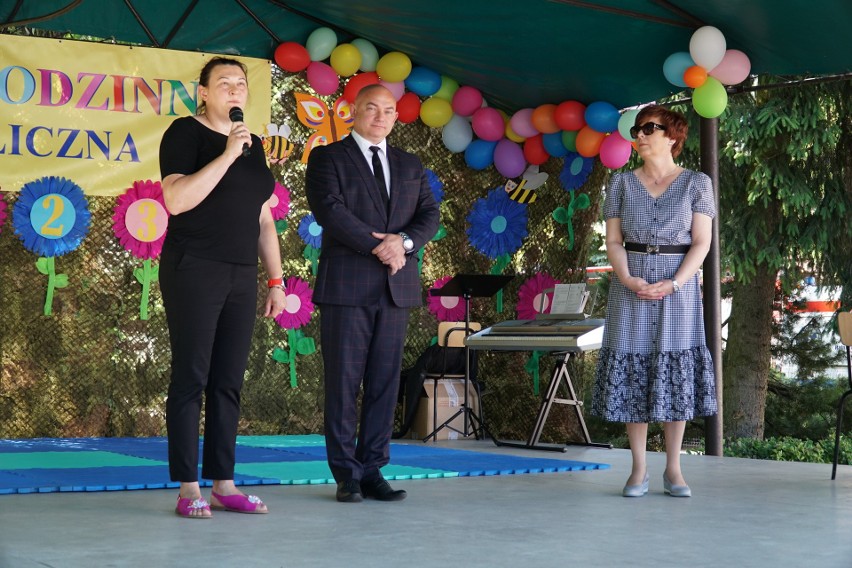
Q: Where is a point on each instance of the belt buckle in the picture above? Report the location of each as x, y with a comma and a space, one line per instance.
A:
652, 249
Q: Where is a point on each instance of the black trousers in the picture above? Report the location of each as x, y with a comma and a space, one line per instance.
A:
211, 308
361, 346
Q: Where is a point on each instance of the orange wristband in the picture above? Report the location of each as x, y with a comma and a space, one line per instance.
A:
273, 282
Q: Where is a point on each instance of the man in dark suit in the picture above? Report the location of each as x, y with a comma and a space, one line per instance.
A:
376, 209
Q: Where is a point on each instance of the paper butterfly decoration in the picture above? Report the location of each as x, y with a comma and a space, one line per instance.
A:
330, 126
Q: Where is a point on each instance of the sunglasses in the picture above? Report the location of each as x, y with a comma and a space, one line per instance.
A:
647, 129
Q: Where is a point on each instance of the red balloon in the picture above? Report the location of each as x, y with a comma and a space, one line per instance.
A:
291, 56
408, 107
534, 151
570, 115
358, 82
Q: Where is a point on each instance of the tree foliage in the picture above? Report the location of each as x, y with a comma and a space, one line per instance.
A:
784, 208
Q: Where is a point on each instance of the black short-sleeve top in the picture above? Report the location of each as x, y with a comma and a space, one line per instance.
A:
225, 226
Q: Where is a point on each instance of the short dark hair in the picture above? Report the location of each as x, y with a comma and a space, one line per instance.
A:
675, 123
204, 76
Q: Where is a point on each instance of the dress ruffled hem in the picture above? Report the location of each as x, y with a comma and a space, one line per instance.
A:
660, 387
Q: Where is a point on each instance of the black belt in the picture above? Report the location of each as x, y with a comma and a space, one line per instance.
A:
657, 249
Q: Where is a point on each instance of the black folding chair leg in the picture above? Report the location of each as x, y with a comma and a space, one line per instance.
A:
837, 433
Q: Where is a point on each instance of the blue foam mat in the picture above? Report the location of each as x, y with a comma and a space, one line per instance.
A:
116, 464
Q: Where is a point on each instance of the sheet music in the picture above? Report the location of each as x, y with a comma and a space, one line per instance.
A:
569, 298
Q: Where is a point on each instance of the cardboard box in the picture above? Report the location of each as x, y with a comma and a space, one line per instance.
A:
450, 397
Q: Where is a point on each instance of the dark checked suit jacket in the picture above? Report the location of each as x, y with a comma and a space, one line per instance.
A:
344, 197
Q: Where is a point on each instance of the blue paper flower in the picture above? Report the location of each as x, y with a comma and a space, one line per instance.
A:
310, 231
575, 171
498, 225
51, 216
436, 184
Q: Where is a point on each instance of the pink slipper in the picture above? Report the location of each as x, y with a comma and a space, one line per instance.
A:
239, 504
186, 508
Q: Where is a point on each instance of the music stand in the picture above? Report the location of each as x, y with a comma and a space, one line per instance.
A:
468, 286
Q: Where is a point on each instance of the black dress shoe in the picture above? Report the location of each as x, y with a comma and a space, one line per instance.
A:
349, 491
380, 489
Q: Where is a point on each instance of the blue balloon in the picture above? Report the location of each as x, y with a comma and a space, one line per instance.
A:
675, 65
602, 116
553, 144
423, 82
479, 154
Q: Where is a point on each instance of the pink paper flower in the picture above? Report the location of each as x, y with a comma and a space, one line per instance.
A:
531, 293
140, 219
3, 213
280, 203
299, 306
445, 308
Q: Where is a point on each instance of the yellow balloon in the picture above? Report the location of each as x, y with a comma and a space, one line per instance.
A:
512, 135
345, 59
436, 112
394, 67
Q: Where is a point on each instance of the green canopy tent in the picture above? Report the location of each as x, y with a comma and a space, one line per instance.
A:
518, 54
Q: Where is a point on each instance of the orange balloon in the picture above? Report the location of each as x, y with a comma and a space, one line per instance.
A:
589, 142
543, 121
695, 76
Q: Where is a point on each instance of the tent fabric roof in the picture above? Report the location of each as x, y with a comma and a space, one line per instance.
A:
519, 54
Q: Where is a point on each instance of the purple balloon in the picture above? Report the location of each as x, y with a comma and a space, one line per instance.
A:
509, 158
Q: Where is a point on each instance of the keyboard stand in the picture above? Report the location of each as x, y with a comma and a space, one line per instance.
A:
560, 376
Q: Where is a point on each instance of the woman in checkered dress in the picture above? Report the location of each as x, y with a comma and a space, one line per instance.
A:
654, 365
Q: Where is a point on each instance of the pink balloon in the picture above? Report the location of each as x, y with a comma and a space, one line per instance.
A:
509, 158
521, 123
615, 151
733, 69
466, 100
488, 124
397, 88
322, 78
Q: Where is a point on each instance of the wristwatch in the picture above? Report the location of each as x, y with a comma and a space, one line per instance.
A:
675, 286
407, 243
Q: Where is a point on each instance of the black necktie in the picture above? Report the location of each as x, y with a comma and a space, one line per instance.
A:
379, 172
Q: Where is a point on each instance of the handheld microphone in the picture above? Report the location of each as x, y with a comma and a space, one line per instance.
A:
236, 115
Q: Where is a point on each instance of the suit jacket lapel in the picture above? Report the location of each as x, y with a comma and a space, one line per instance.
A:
366, 174
395, 165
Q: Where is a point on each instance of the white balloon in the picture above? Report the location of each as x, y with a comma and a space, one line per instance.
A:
707, 47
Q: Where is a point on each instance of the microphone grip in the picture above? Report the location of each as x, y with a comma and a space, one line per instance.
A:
236, 115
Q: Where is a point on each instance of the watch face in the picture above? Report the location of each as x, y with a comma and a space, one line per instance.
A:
408, 244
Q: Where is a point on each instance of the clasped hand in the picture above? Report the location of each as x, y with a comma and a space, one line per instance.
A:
390, 251
276, 301
645, 291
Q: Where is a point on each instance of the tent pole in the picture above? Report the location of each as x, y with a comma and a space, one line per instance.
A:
709, 140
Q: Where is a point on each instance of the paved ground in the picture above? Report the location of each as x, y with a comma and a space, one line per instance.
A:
744, 513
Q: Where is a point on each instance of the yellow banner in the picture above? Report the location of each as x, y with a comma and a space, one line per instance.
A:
94, 113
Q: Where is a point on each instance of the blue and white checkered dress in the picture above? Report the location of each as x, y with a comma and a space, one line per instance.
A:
654, 365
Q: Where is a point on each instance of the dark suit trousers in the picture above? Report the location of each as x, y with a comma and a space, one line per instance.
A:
211, 309
361, 345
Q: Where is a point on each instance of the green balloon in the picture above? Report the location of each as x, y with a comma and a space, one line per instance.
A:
710, 99
369, 54
448, 88
569, 139
321, 43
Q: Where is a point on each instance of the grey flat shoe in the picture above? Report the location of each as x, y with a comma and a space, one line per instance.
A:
675, 490
636, 490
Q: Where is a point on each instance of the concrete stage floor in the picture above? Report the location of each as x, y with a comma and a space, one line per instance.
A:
743, 513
